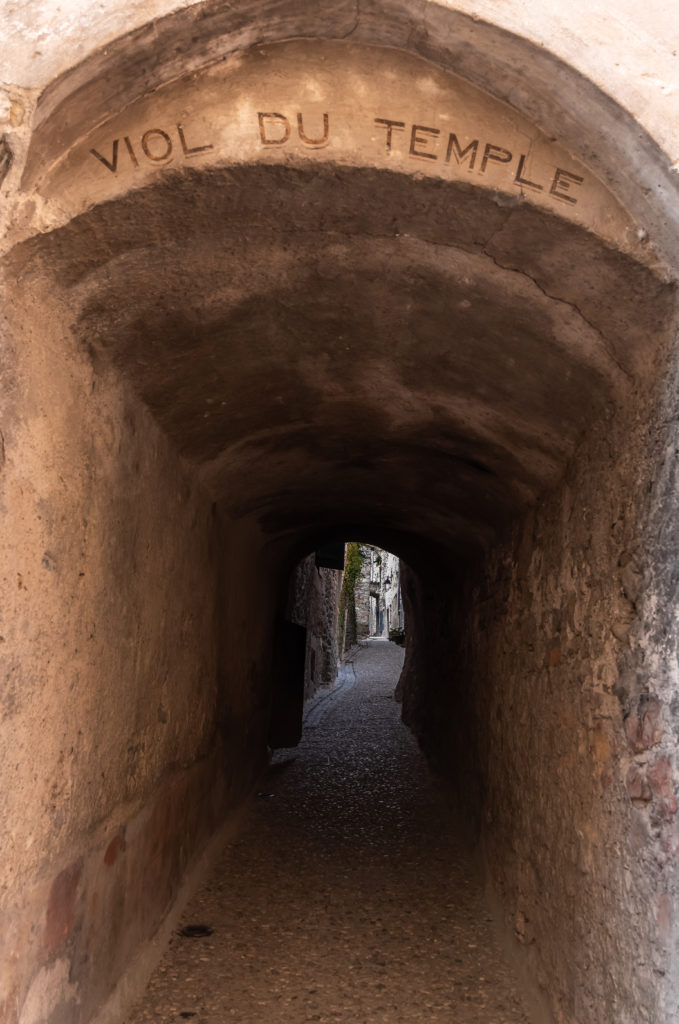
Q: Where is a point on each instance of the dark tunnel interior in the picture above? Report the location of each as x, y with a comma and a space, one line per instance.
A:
364, 355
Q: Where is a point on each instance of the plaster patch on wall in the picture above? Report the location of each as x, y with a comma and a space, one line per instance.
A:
50, 990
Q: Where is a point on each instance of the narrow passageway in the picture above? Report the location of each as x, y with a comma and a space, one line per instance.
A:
348, 896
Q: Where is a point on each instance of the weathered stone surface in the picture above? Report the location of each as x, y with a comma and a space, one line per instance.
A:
222, 361
313, 602
643, 725
378, 594
638, 786
528, 676
113, 563
327, 103
562, 83
661, 781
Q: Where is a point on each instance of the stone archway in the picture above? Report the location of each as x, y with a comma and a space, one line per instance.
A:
313, 287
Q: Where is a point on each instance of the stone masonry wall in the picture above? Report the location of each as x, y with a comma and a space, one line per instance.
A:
534, 683
314, 602
120, 756
379, 581
362, 600
650, 689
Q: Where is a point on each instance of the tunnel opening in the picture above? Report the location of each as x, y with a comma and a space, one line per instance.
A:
232, 350
337, 596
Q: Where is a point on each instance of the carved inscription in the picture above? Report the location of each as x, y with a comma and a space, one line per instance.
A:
274, 130
156, 146
428, 144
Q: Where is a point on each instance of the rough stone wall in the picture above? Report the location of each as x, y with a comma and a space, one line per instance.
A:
391, 575
362, 602
117, 753
314, 603
549, 714
651, 690
379, 578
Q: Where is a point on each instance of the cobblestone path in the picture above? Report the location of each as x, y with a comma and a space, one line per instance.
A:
346, 899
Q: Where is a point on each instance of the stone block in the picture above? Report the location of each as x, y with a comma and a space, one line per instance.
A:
642, 725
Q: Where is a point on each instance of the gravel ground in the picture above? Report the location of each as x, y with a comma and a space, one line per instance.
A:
347, 897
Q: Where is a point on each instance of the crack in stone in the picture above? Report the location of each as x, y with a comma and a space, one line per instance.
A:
357, 18
606, 344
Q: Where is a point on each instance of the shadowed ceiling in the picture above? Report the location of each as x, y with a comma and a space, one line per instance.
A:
332, 345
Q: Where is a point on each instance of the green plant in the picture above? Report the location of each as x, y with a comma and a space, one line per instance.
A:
353, 564
398, 635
